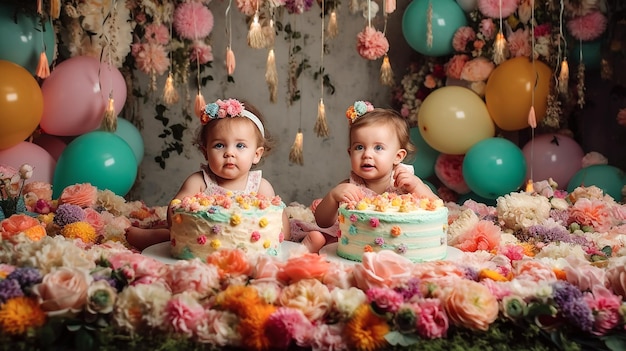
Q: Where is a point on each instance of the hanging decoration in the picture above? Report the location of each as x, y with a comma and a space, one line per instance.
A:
109, 119
371, 43
332, 30
170, 94
271, 76
500, 52
256, 38
321, 126
230, 54
429, 25
386, 73
580, 76
295, 154
563, 79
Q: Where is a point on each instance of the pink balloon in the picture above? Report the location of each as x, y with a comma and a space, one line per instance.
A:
76, 93
54, 145
43, 163
553, 156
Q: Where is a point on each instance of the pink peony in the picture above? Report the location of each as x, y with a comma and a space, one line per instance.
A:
519, 43
497, 8
157, 34
594, 213
433, 321
192, 276
371, 44
471, 305
449, 169
287, 324
587, 27
462, 37
477, 70
484, 236
184, 313
454, 67
328, 337
151, 58
193, 20
83, 195
533, 270
142, 269
381, 269
583, 275
265, 267
306, 266
606, 309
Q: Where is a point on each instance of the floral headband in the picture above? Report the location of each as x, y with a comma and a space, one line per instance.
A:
229, 108
358, 109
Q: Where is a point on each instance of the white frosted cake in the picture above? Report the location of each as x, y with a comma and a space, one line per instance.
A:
414, 228
203, 224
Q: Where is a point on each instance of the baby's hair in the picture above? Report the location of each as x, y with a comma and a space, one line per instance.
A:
392, 118
266, 142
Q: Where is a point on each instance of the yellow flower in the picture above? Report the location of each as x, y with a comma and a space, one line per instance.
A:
20, 313
235, 219
215, 243
267, 244
361, 206
366, 330
81, 230
263, 222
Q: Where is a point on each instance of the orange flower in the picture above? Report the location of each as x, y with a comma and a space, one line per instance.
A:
19, 314
252, 325
237, 298
308, 265
80, 230
21, 223
560, 274
471, 305
396, 231
366, 330
491, 274
83, 195
230, 262
368, 248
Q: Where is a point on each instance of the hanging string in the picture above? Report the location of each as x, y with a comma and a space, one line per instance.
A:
170, 94
532, 119
230, 54
563, 79
295, 153
109, 120
499, 45
580, 87
386, 73
199, 102
321, 126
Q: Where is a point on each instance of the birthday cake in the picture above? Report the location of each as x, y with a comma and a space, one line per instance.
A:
414, 228
203, 224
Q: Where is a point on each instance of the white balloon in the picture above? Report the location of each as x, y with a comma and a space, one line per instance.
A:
467, 5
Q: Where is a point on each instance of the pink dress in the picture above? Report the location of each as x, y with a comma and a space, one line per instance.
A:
252, 185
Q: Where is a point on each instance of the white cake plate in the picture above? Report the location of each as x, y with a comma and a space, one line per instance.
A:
161, 251
330, 251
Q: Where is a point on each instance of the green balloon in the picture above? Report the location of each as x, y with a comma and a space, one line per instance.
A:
608, 178
424, 159
494, 167
473, 196
100, 158
24, 38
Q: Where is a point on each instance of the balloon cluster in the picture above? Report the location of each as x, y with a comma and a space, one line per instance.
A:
53, 123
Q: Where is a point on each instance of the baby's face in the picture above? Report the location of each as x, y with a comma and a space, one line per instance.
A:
374, 150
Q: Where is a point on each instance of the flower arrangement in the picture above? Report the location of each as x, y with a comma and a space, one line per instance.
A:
221, 109
540, 270
358, 110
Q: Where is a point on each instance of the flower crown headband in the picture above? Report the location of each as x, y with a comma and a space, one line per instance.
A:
229, 108
358, 109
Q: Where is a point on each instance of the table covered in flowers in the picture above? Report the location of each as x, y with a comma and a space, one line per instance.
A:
540, 270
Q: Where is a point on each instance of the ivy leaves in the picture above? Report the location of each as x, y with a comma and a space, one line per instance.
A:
172, 135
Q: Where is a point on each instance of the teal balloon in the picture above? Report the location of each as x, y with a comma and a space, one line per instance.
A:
473, 196
591, 54
100, 158
424, 159
131, 135
608, 178
494, 167
447, 17
24, 37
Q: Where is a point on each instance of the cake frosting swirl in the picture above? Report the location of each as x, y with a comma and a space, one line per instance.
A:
412, 227
203, 224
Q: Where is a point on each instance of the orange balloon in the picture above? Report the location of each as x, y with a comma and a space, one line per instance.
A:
21, 104
509, 92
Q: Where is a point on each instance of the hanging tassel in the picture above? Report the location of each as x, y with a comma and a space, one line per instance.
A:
429, 25
269, 35
295, 155
353, 6
499, 49
109, 121
532, 118
199, 104
563, 81
321, 127
271, 76
55, 8
170, 94
529, 186
386, 73
390, 6
43, 67
332, 30
256, 39
230, 61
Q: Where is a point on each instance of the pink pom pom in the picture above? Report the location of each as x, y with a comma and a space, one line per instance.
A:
193, 20
371, 44
587, 27
449, 170
493, 9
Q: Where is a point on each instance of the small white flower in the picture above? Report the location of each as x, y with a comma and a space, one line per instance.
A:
26, 171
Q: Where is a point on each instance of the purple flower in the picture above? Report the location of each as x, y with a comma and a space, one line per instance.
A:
68, 213
572, 306
216, 229
410, 289
298, 6
401, 249
9, 288
379, 241
26, 276
549, 234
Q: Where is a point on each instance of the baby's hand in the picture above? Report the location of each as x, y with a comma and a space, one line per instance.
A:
347, 192
405, 179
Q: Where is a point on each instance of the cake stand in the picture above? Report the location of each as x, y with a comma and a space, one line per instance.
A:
330, 251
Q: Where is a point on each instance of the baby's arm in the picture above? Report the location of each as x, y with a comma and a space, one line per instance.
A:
411, 183
326, 211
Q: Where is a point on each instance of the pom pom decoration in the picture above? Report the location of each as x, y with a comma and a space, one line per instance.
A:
295, 154
372, 44
497, 8
193, 20
587, 27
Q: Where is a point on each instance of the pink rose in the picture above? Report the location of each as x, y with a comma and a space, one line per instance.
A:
381, 269
183, 313
454, 67
605, 306
433, 321
471, 305
533, 270
63, 291
83, 195
192, 276
308, 265
142, 269
42, 190
93, 217
477, 70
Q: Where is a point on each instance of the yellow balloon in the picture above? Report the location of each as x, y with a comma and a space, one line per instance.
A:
21, 104
509, 92
452, 119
